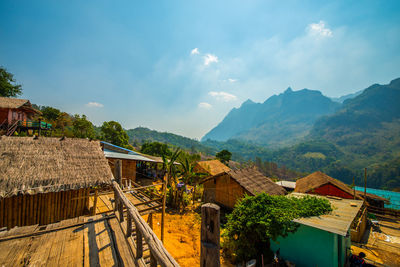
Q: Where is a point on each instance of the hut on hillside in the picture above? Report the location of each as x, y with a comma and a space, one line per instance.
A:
227, 187
133, 163
210, 167
321, 184
44, 180
17, 114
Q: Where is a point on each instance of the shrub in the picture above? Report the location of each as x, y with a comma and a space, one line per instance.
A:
257, 219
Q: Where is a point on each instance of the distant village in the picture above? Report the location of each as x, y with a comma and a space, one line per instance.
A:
86, 202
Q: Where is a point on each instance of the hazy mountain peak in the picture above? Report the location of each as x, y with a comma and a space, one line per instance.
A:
288, 90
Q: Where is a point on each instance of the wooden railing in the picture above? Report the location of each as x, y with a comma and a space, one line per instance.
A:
158, 254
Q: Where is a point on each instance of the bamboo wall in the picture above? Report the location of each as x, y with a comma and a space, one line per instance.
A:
128, 168
43, 209
223, 190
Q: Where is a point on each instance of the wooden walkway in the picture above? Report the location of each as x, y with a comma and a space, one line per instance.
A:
105, 202
83, 241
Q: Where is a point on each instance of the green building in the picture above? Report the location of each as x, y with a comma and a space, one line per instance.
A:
321, 240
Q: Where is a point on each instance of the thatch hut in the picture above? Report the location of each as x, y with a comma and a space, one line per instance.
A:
44, 180
227, 187
210, 167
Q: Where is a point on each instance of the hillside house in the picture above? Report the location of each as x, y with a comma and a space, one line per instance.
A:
321, 184
321, 240
210, 167
133, 163
227, 187
45, 180
17, 114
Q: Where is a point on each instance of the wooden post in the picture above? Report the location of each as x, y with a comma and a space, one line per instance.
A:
129, 224
164, 200
121, 211
95, 201
139, 243
365, 184
210, 236
40, 127
118, 172
354, 189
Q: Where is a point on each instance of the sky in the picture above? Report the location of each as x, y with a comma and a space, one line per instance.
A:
181, 66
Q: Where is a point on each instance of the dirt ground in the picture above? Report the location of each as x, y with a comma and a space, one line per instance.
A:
182, 236
382, 247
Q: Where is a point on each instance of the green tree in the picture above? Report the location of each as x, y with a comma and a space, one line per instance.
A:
8, 88
115, 134
224, 156
82, 128
256, 220
156, 149
50, 113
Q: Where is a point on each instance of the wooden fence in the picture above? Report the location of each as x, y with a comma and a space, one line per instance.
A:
158, 254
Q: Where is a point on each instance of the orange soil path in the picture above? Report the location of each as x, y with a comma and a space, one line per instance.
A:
182, 237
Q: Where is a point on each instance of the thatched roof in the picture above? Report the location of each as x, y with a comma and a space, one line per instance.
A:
318, 179
15, 103
30, 166
372, 196
255, 182
211, 167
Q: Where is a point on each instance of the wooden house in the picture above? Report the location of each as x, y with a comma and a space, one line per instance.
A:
44, 180
133, 163
319, 183
17, 114
227, 187
210, 167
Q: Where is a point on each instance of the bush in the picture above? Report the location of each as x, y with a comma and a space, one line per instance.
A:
257, 219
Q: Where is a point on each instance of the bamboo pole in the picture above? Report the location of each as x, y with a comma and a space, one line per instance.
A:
95, 201
354, 189
365, 184
164, 188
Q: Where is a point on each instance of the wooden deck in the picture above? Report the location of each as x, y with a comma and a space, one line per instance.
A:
83, 241
105, 202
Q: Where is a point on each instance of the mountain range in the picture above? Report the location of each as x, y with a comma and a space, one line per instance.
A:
307, 131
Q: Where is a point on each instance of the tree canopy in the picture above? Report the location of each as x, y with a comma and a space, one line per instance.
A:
83, 128
257, 219
224, 156
156, 149
8, 88
114, 133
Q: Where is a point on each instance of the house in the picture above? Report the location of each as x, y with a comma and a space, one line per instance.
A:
288, 185
321, 240
18, 114
133, 163
210, 167
45, 180
321, 184
227, 187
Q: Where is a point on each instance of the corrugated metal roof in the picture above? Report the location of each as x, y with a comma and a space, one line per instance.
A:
339, 220
109, 147
287, 184
116, 155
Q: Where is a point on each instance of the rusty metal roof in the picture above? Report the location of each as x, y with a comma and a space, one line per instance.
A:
339, 220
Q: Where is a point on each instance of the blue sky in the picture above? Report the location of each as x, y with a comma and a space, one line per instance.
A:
180, 66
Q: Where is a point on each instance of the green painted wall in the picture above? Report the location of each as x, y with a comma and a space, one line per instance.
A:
312, 247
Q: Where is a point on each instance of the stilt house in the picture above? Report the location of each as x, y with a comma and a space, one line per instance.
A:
44, 180
227, 188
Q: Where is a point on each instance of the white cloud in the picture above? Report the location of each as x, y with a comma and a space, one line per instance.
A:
205, 105
232, 80
209, 58
319, 29
223, 96
94, 105
195, 51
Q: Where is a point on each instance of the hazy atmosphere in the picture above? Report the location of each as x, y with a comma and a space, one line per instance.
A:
180, 67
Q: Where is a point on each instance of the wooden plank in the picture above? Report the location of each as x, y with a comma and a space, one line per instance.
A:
122, 247
23, 210
19, 211
1, 211
35, 200
95, 201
